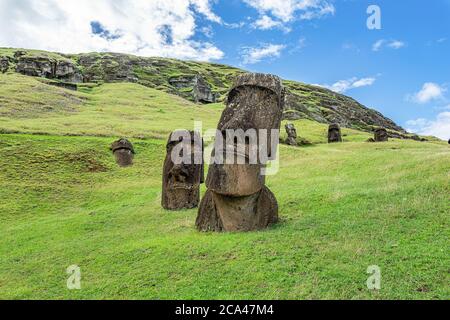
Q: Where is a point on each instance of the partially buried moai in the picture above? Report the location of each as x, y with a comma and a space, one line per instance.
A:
183, 171
123, 152
291, 132
381, 135
237, 198
334, 133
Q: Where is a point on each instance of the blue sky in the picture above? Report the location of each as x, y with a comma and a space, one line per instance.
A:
402, 70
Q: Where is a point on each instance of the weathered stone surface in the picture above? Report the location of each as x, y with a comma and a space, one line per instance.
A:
201, 90
381, 135
334, 133
237, 214
4, 64
48, 68
237, 198
123, 151
291, 134
68, 72
109, 67
181, 182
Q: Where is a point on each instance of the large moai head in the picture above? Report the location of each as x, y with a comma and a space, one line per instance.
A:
183, 171
381, 135
123, 151
237, 198
334, 133
291, 134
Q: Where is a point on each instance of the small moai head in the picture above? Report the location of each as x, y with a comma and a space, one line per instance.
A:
291, 134
334, 133
381, 135
183, 171
255, 105
123, 151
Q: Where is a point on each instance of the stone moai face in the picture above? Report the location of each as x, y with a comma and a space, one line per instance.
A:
124, 152
291, 135
237, 198
334, 133
381, 135
183, 171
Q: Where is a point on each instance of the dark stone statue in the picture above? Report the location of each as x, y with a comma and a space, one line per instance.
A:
291, 135
124, 152
381, 135
182, 180
237, 198
334, 133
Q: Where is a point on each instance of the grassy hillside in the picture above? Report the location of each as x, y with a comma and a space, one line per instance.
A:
343, 207
195, 81
28, 105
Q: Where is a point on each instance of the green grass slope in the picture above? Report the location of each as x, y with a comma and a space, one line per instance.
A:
343, 208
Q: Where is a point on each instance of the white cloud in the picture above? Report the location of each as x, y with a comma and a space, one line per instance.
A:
344, 85
440, 127
148, 28
266, 23
430, 91
396, 44
285, 10
253, 55
393, 44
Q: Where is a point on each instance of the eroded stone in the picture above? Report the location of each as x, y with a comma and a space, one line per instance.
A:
291, 135
381, 135
334, 133
123, 151
181, 181
237, 198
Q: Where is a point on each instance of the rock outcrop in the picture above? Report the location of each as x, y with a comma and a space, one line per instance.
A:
107, 67
48, 68
196, 86
237, 198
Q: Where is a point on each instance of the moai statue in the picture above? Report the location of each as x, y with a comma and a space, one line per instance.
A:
334, 133
381, 135
237, 198
124, 152
183, 171
291, 135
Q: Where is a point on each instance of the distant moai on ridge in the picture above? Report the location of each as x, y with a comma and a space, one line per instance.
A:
182, 177
237, 198
123, 151
334, 133
291, 139
381, 135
